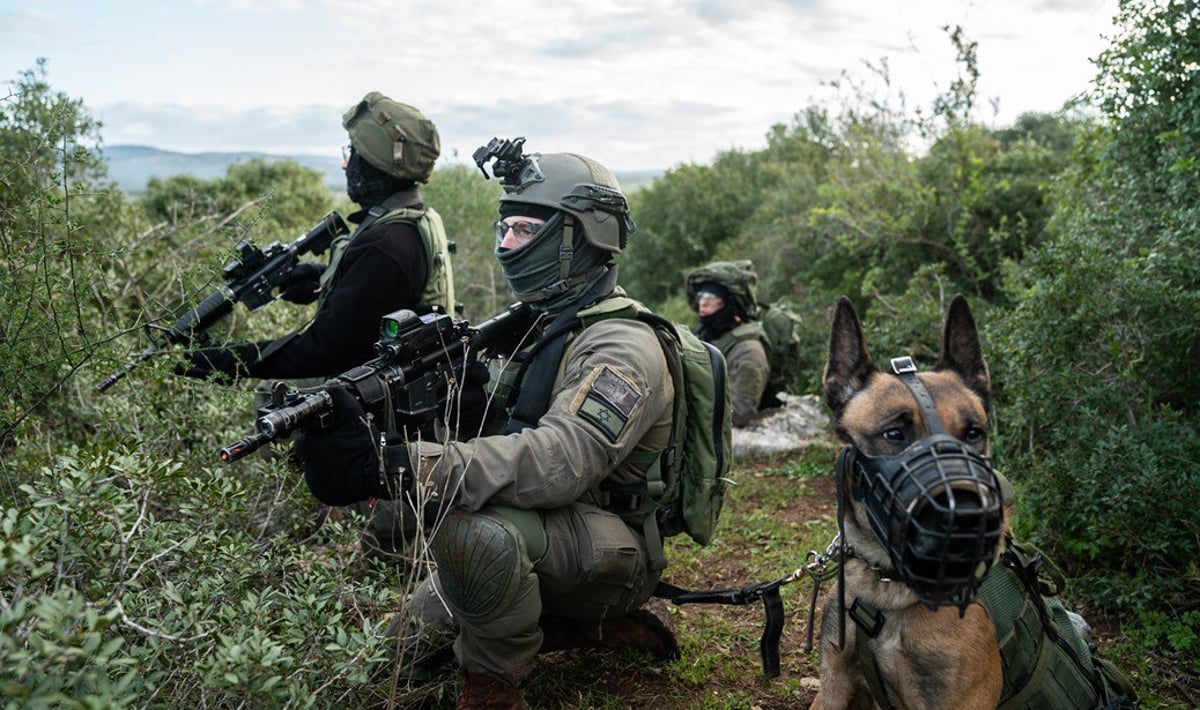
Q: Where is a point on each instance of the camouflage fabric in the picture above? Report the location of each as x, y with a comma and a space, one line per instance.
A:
394, 137
739, 277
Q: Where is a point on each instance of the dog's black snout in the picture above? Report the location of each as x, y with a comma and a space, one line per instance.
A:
954, 527
951, 527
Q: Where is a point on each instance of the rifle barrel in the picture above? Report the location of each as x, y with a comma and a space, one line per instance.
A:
245, 447
116, 377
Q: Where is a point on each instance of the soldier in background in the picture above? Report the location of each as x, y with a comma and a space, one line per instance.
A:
723, 294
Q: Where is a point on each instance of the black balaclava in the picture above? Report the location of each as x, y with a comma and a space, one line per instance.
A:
718, 323
368, 185
534, 266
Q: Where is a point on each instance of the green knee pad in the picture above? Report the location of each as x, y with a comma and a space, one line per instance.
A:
484, 566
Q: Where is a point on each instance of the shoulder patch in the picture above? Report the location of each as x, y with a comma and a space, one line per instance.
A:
607, 400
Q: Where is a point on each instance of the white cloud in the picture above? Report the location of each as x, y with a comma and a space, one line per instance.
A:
635, 83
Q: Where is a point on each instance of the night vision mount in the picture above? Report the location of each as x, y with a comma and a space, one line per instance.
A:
509, 159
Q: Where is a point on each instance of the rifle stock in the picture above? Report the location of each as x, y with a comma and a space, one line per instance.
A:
420, 357
251, 277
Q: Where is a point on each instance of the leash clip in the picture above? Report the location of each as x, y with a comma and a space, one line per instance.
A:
819, 566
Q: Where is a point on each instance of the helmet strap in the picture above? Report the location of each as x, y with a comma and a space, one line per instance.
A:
566, 250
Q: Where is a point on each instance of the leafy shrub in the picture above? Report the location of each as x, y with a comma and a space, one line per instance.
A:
1098, 355
127, 581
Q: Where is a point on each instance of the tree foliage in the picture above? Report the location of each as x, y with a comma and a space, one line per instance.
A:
56, 212
1105, 328
467, 204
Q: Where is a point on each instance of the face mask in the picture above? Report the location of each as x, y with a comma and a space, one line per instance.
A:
533, 271
714, 325
366, 184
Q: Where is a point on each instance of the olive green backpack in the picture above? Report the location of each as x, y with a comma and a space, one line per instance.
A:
781, 329
687, 484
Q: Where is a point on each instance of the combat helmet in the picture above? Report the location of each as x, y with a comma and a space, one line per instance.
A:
569, 182
739, 277
394, 137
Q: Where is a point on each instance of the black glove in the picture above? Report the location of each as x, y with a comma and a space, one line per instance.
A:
302, 284
467, 417
224, 364
341, 462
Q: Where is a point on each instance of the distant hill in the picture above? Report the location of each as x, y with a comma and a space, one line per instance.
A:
132, 166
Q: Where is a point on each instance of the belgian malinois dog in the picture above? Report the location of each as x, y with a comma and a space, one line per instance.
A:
935, 649
927, 570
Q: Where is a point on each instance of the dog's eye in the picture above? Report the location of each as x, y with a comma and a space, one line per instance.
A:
893, 436
974, 435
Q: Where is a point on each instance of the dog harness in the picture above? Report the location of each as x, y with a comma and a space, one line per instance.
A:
1046, 661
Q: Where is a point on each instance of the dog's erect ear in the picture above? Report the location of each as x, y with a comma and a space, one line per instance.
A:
849, 363
961, 350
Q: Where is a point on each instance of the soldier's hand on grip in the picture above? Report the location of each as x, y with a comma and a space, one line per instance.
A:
302, 284
341, 462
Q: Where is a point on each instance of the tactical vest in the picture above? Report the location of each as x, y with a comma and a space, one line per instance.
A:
1046, 661
748, 330
439, 281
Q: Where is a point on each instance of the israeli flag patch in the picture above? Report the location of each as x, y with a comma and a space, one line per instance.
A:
607, 400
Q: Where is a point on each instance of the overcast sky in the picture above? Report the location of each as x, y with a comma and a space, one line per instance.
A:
636, 84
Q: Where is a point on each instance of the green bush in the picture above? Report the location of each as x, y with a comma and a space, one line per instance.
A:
129, 581
1097, 357
1103, 462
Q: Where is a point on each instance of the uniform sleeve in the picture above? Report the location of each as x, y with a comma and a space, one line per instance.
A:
614, 395
748, 372
383, 270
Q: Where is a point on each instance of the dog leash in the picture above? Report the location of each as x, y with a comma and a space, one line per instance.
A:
767, 592
821, 567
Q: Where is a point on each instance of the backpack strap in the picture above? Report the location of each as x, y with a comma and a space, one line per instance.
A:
747, 330
646, 498
663, 469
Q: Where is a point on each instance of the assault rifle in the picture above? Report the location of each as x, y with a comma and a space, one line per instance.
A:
419, 357
251, 277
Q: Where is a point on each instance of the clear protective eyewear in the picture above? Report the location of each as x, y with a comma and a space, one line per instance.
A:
523, 230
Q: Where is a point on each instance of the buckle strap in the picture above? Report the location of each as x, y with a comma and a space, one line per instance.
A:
868, 619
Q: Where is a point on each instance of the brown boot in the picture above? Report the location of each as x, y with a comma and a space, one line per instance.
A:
649, 628
483, 692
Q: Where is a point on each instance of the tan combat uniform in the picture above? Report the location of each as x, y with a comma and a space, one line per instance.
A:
610, 412
746, 359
